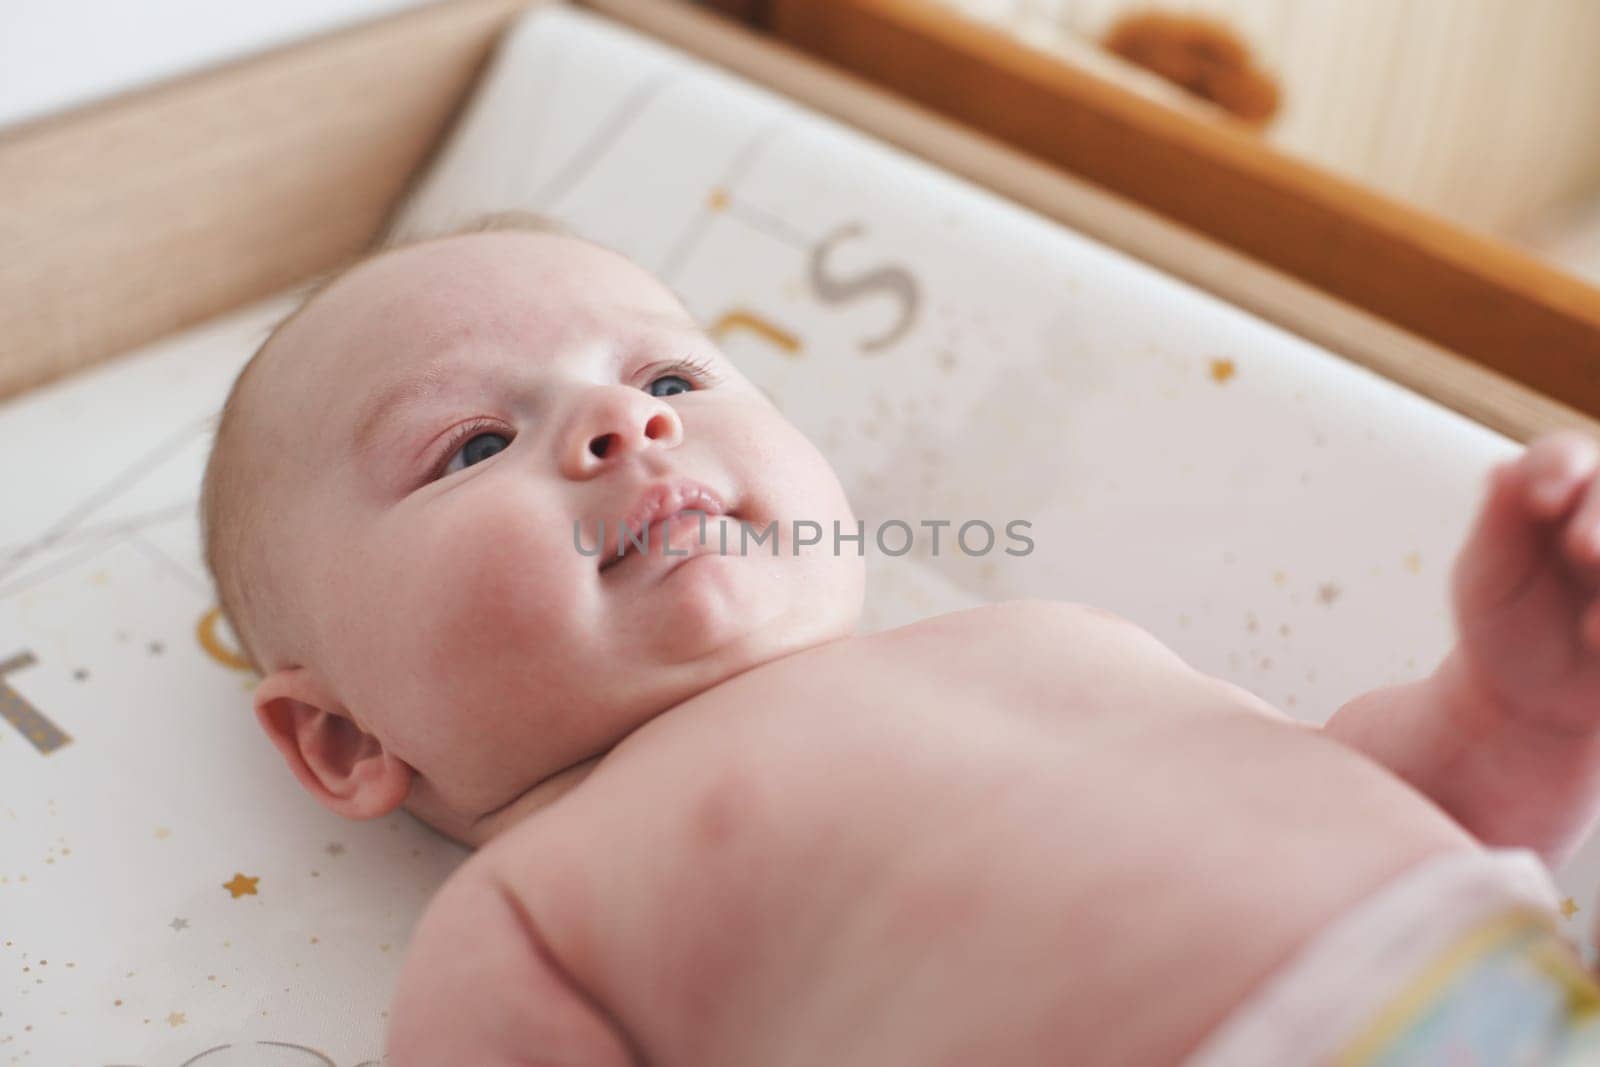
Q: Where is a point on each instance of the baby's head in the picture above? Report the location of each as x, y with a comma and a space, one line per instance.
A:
389, 508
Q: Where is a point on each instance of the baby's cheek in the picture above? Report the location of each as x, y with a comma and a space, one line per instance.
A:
499, 584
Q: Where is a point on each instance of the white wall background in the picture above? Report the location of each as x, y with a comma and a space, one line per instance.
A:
56, 54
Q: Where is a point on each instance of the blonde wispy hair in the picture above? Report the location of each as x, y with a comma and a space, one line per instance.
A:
232, 507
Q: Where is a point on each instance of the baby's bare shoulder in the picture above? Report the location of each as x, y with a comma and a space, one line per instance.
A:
480, 985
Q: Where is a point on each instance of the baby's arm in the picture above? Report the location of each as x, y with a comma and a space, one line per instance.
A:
479, 987
1505, 734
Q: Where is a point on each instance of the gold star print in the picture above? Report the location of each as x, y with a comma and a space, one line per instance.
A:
1414, 562
1328, 592
176, 1019
717, 200
1222, 369
241, 885
1569, 908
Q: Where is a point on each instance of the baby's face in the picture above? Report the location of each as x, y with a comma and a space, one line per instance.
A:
432, 535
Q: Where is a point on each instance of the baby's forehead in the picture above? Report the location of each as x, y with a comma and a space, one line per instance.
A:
522, 288
524, 293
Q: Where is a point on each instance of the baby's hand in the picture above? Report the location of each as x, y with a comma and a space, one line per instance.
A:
1524, 586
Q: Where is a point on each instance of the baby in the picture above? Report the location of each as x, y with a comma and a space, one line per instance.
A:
716, 826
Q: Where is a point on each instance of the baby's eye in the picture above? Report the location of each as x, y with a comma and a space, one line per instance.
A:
478, 448
684, 375
670, 385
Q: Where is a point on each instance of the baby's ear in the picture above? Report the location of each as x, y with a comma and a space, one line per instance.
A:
338, 762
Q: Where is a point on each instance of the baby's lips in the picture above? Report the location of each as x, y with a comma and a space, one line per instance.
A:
659, 500
678, 533
670, 536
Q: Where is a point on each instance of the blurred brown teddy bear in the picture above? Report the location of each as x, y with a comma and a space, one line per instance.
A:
1200, 55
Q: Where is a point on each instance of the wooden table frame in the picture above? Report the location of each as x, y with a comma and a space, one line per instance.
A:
1469, 293
127, 220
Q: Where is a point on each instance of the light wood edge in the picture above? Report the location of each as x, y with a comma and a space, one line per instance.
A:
1486, 396
141, 215
1478, 297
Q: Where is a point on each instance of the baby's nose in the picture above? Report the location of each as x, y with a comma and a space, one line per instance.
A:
615, 423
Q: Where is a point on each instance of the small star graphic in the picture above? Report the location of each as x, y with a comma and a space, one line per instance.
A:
80, 674
1222, 369
334, 848
179, 924
156, 648
1414, 562
162, 833
176, 1019
1328, 592
241, 885
1569, 908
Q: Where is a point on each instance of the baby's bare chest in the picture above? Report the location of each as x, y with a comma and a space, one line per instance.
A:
776, 861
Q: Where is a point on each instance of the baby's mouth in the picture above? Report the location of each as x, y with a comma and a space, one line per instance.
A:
657, 508
656, 534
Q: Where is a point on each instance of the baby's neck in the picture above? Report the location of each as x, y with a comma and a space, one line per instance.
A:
489, 826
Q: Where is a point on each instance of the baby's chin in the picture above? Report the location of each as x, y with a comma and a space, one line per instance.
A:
719, 612
713, 650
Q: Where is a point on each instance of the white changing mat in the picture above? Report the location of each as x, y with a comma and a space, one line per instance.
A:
1278, 516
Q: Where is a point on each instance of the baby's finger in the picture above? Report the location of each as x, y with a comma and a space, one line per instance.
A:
1502, 549
1553, 469
1581, 538
1589, 627
1508, 542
